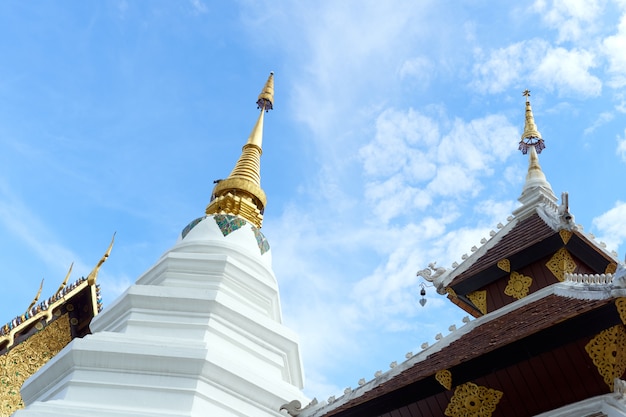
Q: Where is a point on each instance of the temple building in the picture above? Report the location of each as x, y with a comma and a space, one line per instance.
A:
548, 338
31, 339
201, 333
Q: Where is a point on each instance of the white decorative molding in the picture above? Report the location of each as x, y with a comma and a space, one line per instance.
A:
589, 279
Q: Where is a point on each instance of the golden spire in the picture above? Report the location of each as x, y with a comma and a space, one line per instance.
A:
241, 194
536, 188
531, 136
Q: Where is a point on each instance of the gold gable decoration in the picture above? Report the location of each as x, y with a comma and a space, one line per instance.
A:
566, 235
451, 293
479, 299
471, 400
620, 303
561, 263
444, 377
607, 350
504, 264
25, 359
518, 285
610, 268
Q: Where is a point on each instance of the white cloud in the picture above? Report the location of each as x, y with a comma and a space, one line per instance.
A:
26, 226
399, 145
503, 67
574, 19
393, 197
199, 6
621, 106
534, 61
562, 69
621, 146
420, 69
614, 47
612, 226
602, 119
412, 162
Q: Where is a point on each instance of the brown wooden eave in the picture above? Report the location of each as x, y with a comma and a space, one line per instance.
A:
528, 332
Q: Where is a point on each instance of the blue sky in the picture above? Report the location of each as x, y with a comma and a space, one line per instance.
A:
393, 144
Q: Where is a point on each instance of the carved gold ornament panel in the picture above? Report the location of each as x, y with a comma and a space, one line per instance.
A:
504, 264
471, 400
444, 377
25, 359
518, 285
620, 303
479, 299
610, 268
561, 263
566, 235
607, 350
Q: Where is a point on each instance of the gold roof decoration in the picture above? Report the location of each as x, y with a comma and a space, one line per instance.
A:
531, 136
241, 194
39, 315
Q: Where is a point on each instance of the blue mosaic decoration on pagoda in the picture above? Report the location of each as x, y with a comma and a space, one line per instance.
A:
261, 240
228, 223
190, 226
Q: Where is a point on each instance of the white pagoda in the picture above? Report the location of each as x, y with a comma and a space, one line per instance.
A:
199, 334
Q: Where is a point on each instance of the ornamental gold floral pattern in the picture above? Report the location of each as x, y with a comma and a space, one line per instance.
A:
450, 291
471, 400
561, 263
566, 235
607, 350
504, 264
610, 268
518, 285
25, 359
444, 377
620, 303
479, 299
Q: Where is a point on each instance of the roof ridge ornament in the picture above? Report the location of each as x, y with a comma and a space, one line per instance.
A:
241, 194
531, 136
32, 304
93, 275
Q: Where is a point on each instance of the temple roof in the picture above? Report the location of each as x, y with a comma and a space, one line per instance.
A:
31, 339
541, 243
533, 230
524, 329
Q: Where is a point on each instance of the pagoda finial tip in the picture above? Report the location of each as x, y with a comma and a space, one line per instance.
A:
266, 98
531, 136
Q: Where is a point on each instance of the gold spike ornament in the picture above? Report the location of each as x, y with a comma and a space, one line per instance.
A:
241, 194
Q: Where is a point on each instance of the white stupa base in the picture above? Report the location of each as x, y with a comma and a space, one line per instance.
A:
200, 334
